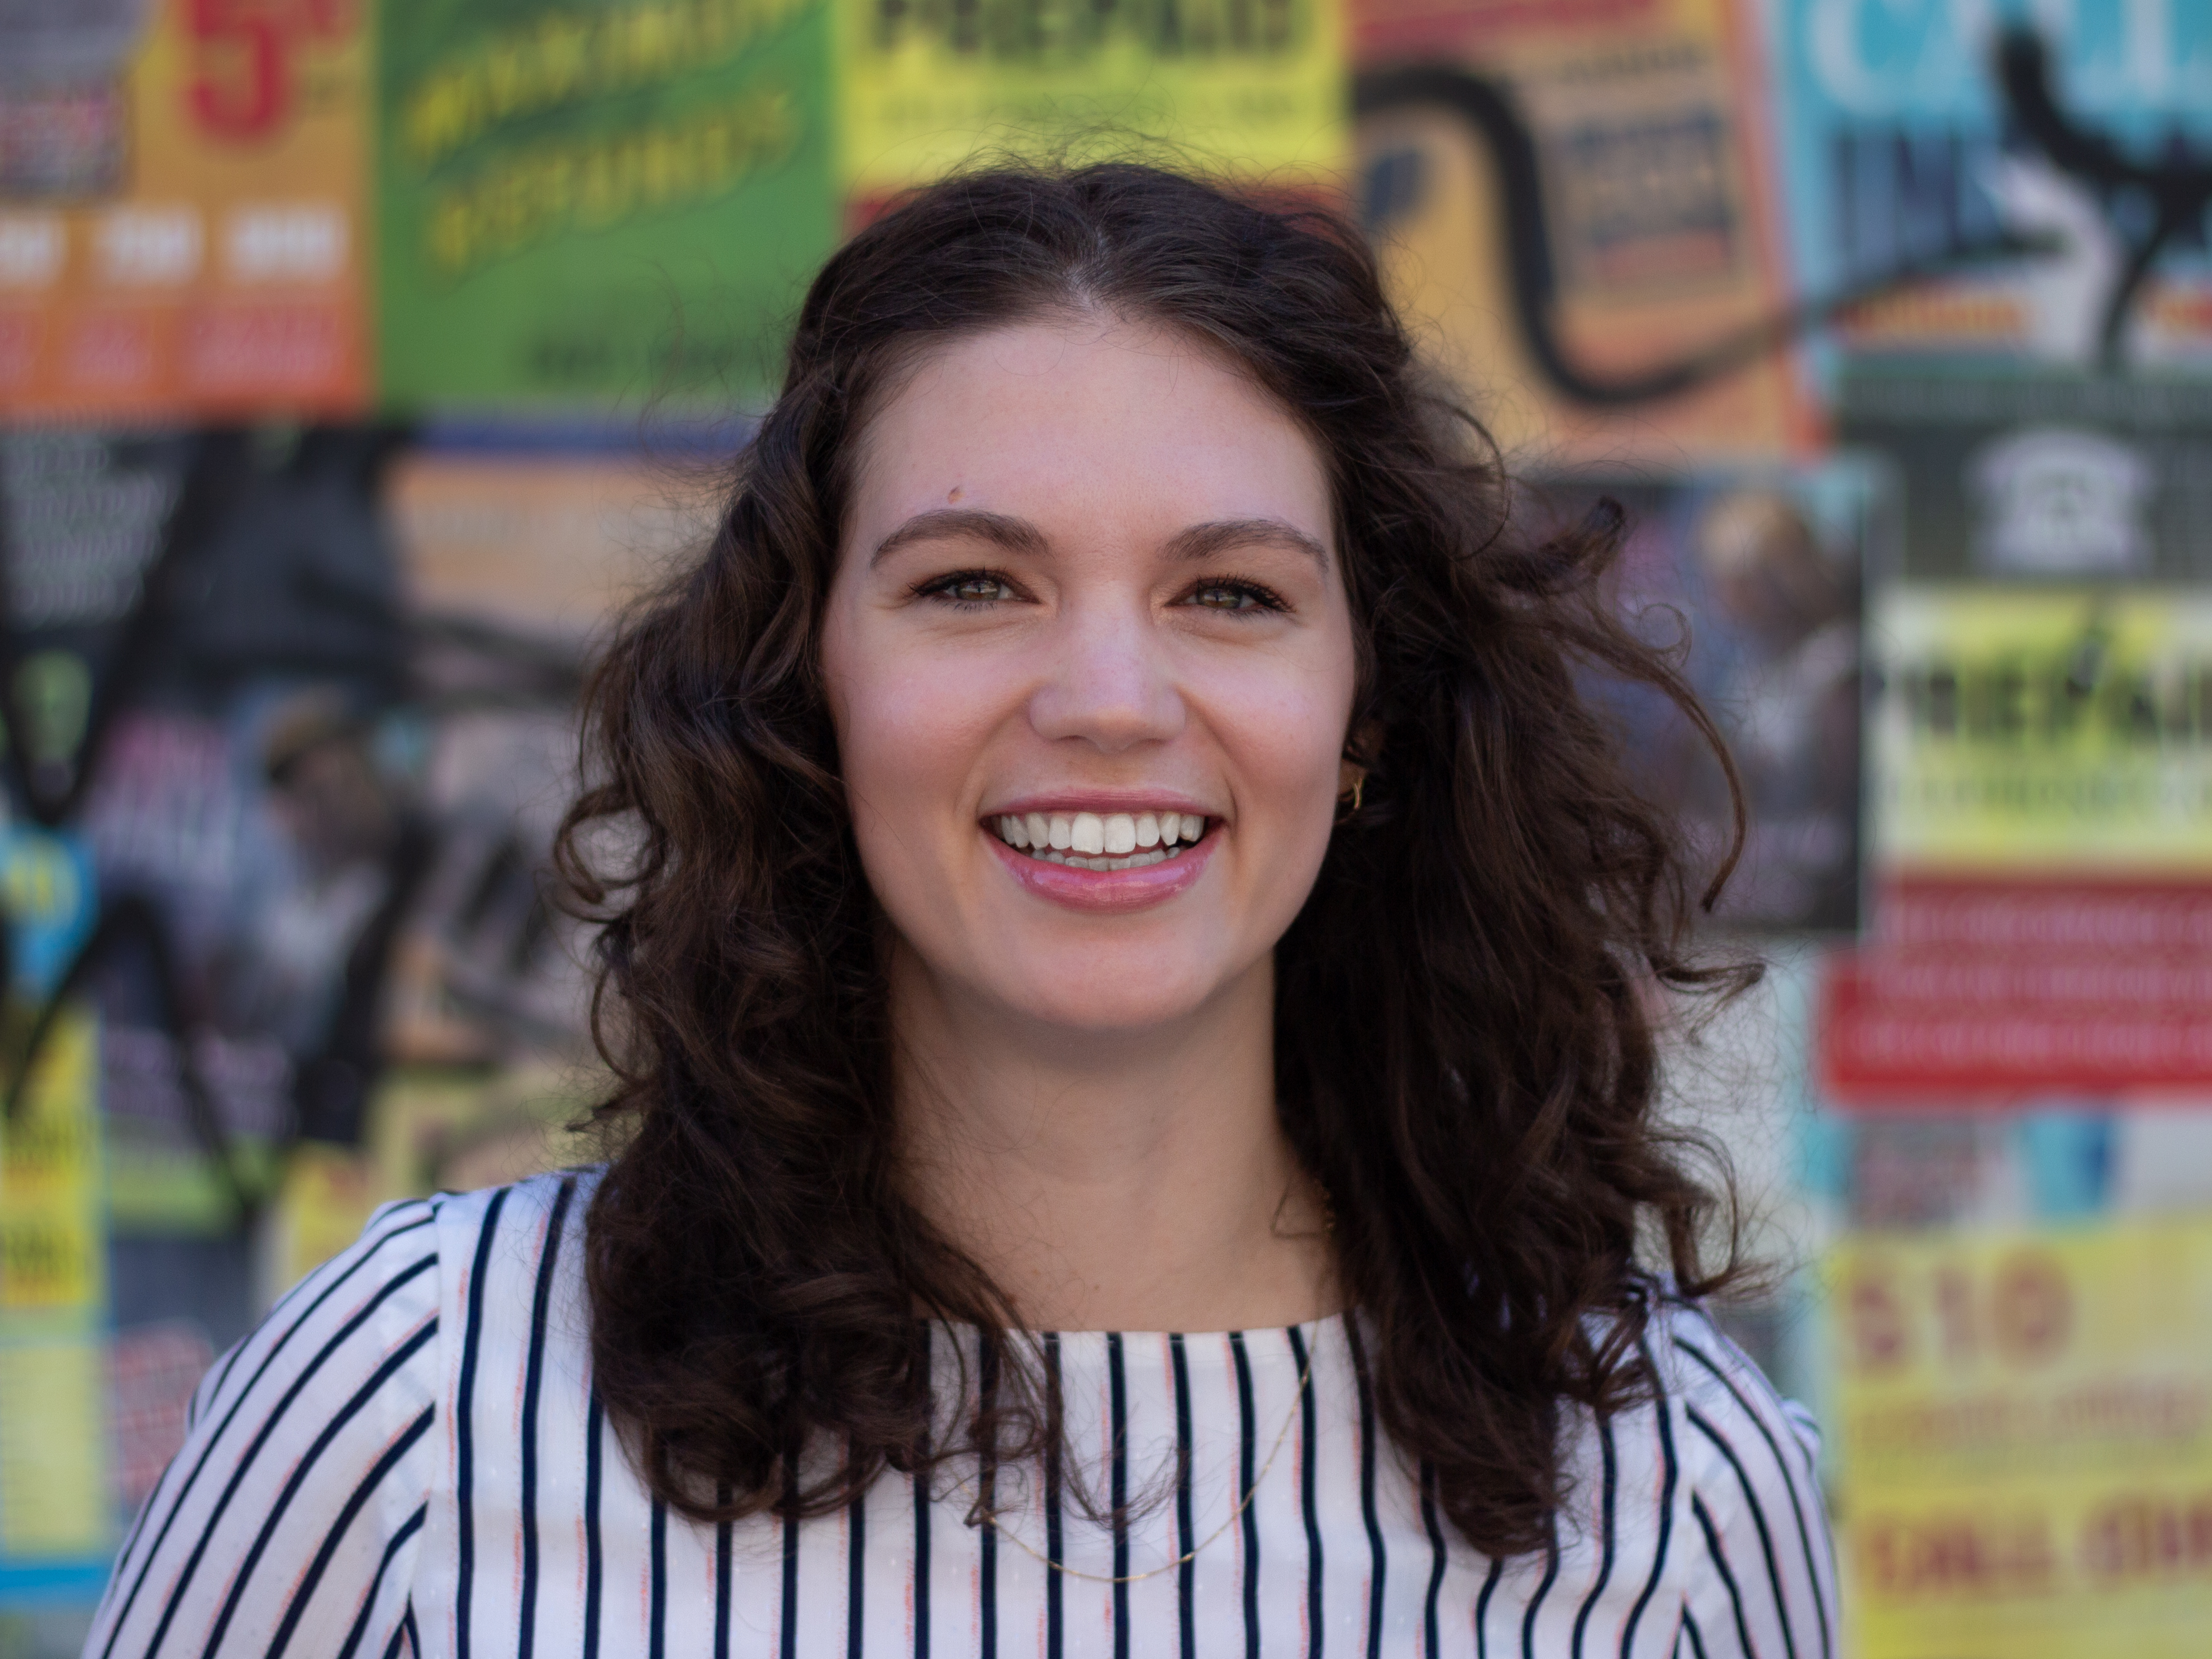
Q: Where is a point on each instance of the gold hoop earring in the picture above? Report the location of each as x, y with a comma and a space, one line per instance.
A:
1351, 784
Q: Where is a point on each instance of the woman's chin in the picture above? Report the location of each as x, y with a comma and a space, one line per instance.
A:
1086, 1002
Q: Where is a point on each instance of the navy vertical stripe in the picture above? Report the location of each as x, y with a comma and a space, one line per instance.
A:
1378, 1566
1670, 1472
1703, 1425
1117, 1391
921, 1507
986, 1542
464, 1429
1186, 1531
1431, 1636
723, 1562
789, 1646
920, 1567
408, 1529
595, 1549
1248, 1478
1482, 1608
1609, 1497
534, 1377
1543, 1591
1309, 1449
1721, 1565
1056, 1418
856, 1559
656, 1545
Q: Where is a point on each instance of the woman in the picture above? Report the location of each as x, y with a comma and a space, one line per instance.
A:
1107, 843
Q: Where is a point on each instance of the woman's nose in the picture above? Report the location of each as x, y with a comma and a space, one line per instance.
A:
1109, 682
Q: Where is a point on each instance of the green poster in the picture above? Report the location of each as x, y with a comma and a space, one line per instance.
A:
588, 201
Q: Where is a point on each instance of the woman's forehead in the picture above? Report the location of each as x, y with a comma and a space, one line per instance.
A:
1068, 414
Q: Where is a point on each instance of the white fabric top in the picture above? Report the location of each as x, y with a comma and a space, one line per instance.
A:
407, 1457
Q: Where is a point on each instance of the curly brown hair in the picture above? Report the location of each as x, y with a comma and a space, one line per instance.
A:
1466, 1040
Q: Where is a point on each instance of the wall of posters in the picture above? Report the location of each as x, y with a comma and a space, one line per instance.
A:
581, 204
181, 195
2023, 1427
1574, 201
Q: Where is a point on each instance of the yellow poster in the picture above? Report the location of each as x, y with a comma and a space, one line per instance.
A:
53, 1257
53, 1433
1253, 87
2023, 1430
2043, 730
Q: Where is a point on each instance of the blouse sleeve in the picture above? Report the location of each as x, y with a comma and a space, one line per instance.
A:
287, 1524
1764, 1584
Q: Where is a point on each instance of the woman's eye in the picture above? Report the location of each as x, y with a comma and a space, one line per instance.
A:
1230, 596
975, 588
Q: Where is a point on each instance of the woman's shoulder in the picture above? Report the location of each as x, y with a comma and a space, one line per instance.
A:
1715, 1390
1751, 1544
317, 1445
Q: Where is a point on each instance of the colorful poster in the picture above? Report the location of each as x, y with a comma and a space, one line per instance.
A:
2044, 730
53, 1487
2039, 746
580, 203
1254, 87
1755, 576
181, 191
2022, 1438
2042, 817
546, 543
1906, 148
1571, 201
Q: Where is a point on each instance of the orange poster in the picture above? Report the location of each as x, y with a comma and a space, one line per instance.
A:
181, 185
1572, 200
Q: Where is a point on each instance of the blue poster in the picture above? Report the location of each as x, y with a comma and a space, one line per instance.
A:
2040, 174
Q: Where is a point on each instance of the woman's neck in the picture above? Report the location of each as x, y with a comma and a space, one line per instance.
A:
1122, 1181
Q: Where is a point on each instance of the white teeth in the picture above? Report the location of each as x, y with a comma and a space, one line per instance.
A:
1099, 840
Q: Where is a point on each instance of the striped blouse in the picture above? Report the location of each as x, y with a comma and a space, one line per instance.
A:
408, 1457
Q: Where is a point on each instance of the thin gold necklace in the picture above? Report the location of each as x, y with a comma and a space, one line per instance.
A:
991, 1520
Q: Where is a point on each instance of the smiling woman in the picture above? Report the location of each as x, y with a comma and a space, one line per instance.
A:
1133, 971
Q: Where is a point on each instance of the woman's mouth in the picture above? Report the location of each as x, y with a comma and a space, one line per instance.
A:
1100, 841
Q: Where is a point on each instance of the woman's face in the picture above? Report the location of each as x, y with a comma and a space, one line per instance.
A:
1091, 663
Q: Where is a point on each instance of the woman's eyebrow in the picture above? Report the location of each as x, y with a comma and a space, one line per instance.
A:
1198, 541
953, 523
1203, 541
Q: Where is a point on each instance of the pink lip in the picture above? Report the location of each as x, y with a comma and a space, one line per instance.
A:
1109, 891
